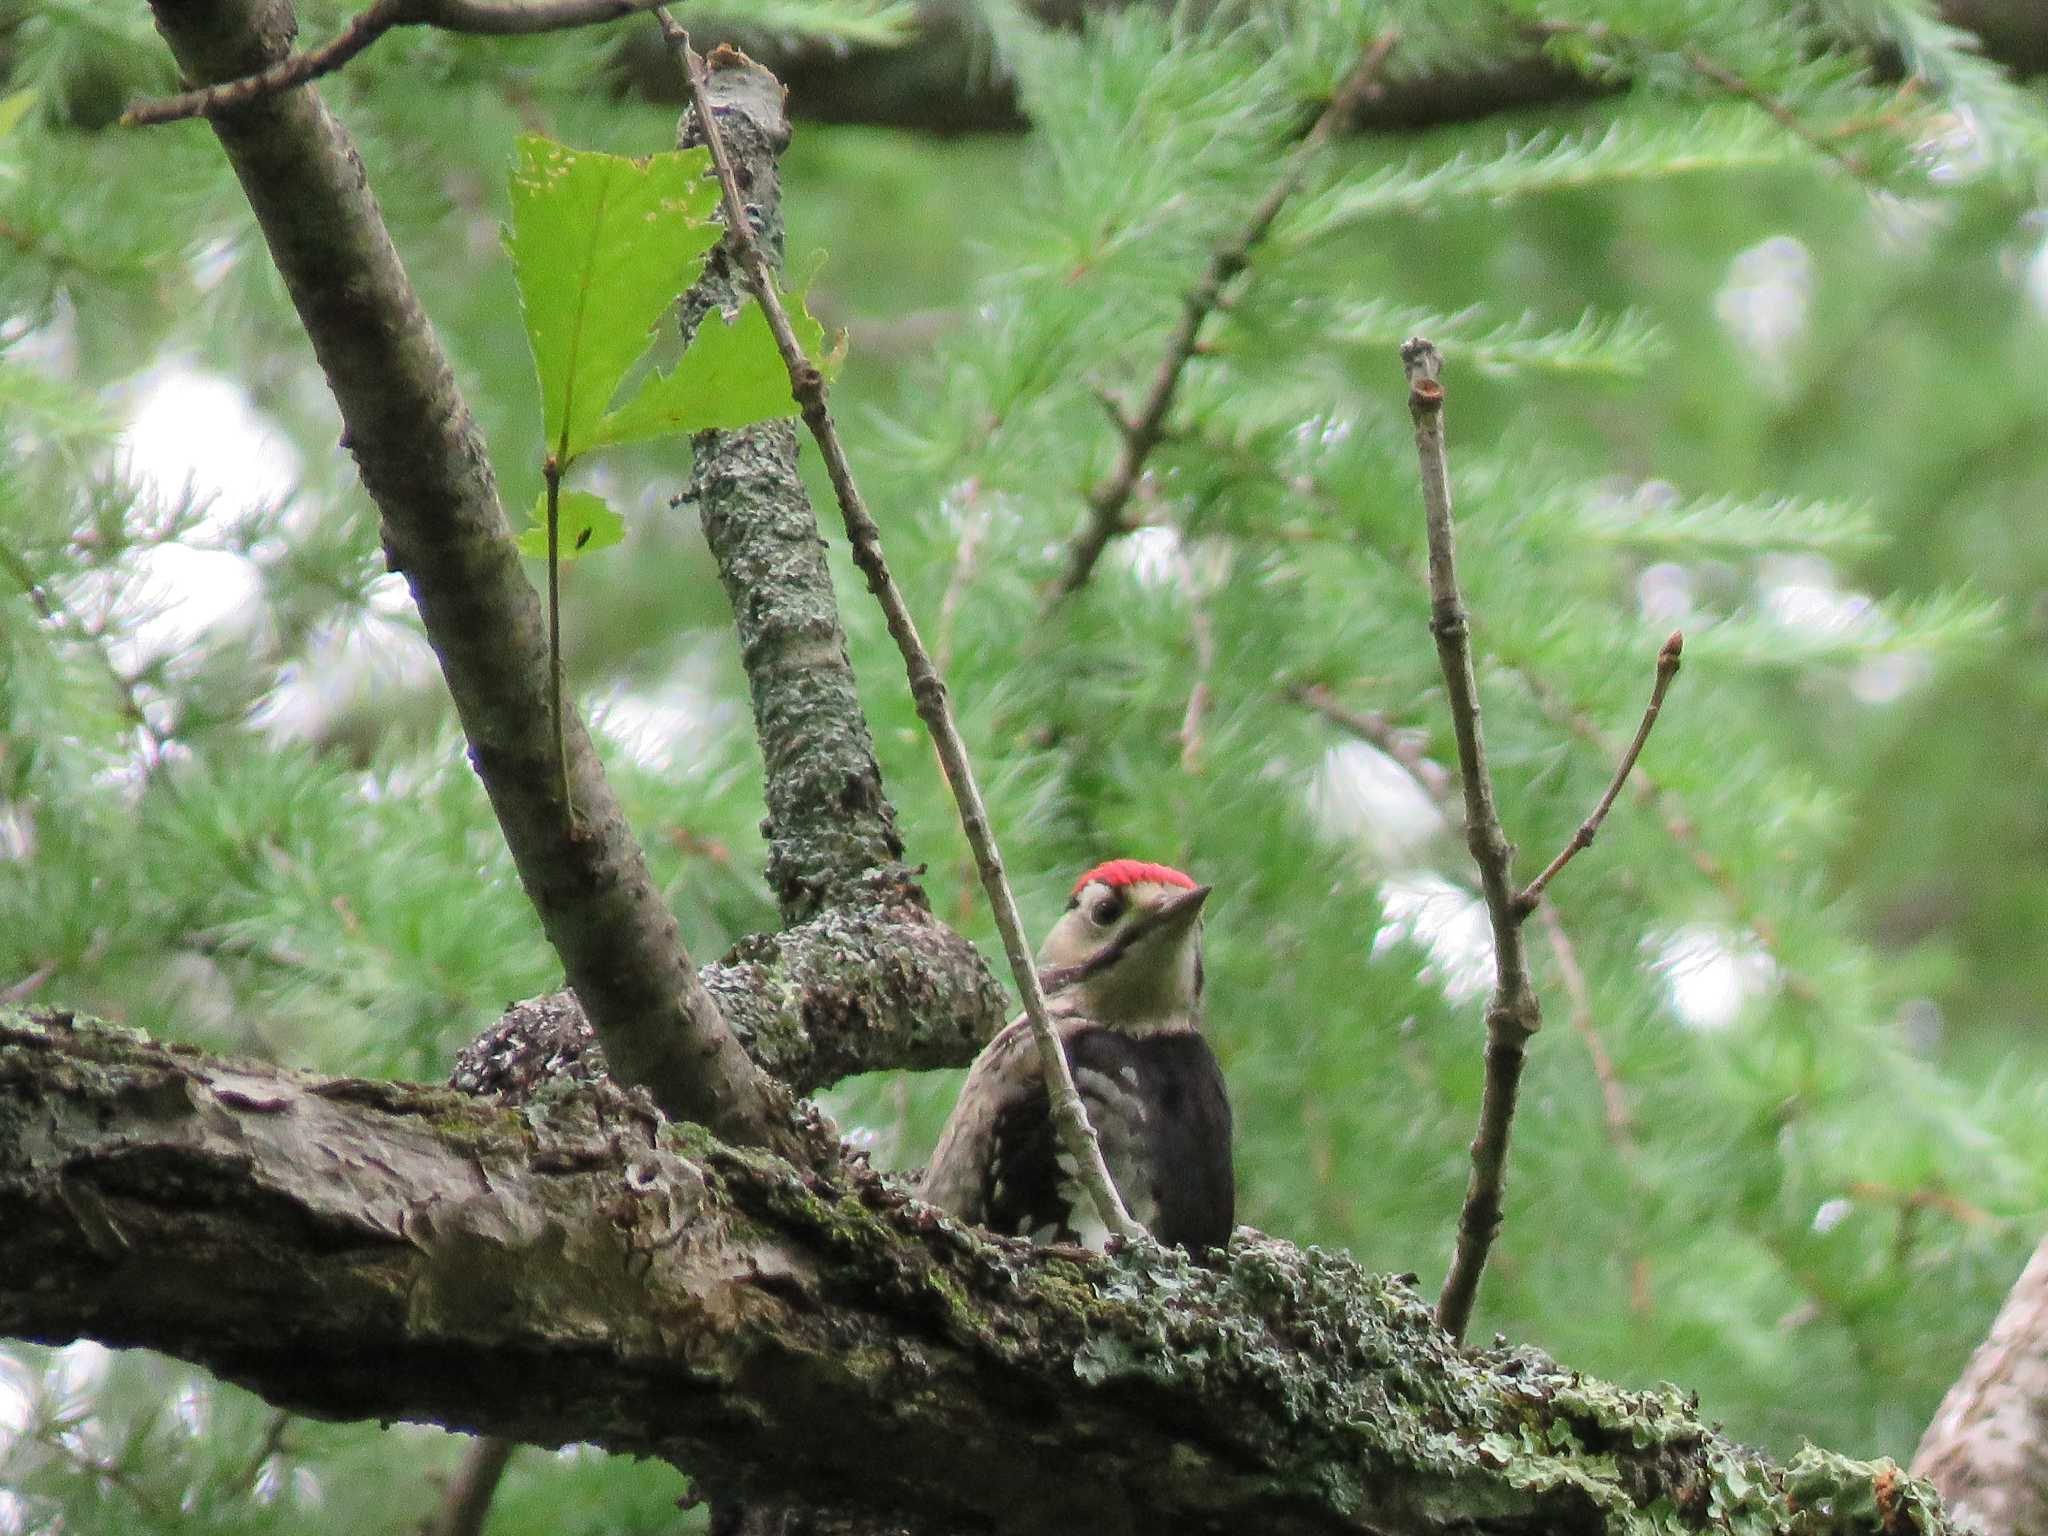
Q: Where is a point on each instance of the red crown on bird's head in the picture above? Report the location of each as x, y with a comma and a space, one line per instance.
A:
1134, 872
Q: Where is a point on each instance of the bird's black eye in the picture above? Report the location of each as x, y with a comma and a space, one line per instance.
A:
1106, 910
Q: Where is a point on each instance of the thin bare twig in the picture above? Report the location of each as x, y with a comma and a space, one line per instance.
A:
494, 18
21, 991
928, 691
1613, 1098
1512, 1012
466, 1504
1735, 85
1653, 794
1143, 430
1405, 747
1376, 730
1667, 669
1202, 630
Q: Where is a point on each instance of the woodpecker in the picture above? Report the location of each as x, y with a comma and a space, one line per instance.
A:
1122, 972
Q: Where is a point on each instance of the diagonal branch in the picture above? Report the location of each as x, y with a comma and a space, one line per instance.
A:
1582, 839
1405, 747
928, 691
426, 467
1711, 68
1143, 430
1653, 794
467, 1503
1621, 1130
495, 18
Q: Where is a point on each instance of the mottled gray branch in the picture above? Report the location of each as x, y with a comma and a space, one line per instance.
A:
873, 984
807, 385
424, 464
1987, 1447
829, 822
578, 1270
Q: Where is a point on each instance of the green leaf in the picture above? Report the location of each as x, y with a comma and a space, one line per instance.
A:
600, 246
584, 523
13, 108
731, 376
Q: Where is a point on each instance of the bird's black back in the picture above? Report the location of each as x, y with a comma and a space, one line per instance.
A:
1159, 1108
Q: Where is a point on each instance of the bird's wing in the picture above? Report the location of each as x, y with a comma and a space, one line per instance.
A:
999, 1161
1188, 1150
959, 1179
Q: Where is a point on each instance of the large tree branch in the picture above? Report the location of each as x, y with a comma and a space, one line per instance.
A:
578, 1270
425, 466
942, 79
877, 982
1987, 1447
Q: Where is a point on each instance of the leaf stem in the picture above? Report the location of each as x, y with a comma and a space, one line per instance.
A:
551, 471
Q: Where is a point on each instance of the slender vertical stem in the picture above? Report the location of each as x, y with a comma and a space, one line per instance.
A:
552, 472
1512, 1012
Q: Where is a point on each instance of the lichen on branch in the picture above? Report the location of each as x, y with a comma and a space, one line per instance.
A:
580, 1270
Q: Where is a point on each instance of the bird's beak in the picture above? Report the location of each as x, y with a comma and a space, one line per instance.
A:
1184, 908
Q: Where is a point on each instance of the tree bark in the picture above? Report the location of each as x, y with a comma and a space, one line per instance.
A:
580, 1269
1987, 1448
943, 80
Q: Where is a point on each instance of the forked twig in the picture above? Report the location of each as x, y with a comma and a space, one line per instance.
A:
1512, 1012
1655, 795
1406, 749
1667, 669
807, 387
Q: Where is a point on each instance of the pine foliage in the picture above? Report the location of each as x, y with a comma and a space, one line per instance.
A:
1746, 1161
